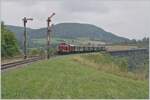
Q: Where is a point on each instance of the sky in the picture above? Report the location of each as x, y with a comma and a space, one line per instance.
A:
127, 18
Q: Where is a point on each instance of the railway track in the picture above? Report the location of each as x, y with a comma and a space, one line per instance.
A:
17, 63
27, 61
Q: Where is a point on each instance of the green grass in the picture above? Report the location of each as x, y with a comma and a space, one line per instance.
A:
66, 77
57, 40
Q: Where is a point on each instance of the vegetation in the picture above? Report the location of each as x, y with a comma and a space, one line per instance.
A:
143, 43
75, 30
116, 47
116, 65
36, 52
74, 76
9, 45
67, 31
139, 63
41, 42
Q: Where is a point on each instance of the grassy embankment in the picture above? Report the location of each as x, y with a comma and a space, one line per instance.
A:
75, 76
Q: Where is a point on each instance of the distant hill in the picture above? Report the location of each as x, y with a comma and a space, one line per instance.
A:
73, 30
70, 30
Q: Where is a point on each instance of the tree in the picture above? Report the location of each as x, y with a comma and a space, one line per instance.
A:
145, 39
9, 45
133, 41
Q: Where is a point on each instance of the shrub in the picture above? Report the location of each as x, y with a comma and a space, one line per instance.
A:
9, 44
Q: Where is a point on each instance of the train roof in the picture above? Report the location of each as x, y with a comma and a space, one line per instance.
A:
79, 45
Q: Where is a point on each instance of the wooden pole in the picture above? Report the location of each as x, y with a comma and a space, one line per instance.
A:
48, 35
48, 38
25, 36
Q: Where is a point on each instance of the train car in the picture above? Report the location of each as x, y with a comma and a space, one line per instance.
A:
64, 48
72, 48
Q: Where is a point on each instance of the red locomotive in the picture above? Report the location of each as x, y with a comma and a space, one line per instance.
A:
64, 48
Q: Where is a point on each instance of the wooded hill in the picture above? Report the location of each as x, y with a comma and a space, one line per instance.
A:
69, 30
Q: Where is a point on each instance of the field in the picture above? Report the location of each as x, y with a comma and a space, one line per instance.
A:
120, 47
76, 41
73, 76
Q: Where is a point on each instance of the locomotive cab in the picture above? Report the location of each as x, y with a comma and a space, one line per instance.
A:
64, 48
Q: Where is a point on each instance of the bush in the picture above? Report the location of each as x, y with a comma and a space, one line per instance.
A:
9, 45
36, 52
52, 51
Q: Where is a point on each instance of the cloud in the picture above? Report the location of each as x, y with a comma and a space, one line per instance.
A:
28, 2
78, 6
125, 18
22, 2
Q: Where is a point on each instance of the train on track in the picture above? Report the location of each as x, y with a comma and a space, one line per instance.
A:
64, 48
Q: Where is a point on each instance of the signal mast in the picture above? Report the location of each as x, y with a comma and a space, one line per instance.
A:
48, 34
25, 35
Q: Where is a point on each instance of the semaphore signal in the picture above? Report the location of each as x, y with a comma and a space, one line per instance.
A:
25, 35
48, 34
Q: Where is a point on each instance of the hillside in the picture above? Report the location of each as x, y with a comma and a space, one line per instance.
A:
70, 30
85, 30
74, 76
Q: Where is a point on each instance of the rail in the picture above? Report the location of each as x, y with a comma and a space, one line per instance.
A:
17, 63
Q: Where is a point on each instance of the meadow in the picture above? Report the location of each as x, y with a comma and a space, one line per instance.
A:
89, 76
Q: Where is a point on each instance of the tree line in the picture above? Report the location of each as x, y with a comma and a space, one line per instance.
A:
9, 44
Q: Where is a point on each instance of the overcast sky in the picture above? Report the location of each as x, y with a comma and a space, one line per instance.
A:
127, 18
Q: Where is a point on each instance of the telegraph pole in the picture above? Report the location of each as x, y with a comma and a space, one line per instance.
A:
25, 36
48, 34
